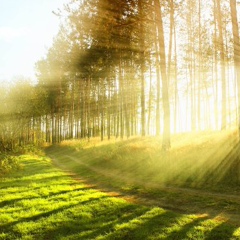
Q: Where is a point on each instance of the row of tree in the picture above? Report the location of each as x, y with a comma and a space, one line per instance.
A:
123, 68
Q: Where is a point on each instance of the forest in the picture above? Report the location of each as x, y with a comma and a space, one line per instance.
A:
130, 68
140, 99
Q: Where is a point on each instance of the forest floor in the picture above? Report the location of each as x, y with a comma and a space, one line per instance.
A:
220, 205
125, 190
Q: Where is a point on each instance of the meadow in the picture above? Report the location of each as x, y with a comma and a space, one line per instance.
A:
125, 189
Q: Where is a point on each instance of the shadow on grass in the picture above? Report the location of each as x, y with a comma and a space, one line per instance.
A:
184, 231
222, 231
133, 222
228, 171
51, 195
125, 222
13, 201
98, 225
39, 216
84, 214
107, 176
221, 170
154, 168
30, 179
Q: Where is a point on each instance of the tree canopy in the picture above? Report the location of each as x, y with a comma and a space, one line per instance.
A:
125, 68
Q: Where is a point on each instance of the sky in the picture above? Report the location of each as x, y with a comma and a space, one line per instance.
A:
27, 28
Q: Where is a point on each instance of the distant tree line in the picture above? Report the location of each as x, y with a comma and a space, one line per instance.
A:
125, 68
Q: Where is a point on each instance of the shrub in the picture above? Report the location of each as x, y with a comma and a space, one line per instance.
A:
8, 164
28, 149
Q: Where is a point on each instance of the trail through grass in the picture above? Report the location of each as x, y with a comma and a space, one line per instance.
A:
41, 201
200, 174
139, 189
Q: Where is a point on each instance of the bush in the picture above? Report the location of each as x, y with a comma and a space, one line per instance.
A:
28, 149
8, 164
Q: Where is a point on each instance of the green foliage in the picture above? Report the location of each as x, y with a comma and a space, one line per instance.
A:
8, 164
18, 115
28, 149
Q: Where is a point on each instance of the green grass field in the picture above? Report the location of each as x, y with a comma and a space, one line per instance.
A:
124, 190
198, 161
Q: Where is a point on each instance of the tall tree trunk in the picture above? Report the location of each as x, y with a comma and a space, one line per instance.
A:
88, 107
158, 84
215, 66
142, 66
121, 93
109, 110
175, 81
149, 100
236, 53
222, 58
166, 107
199, 68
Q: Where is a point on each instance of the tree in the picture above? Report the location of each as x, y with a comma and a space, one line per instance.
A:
166, 108
236, 44
222, 60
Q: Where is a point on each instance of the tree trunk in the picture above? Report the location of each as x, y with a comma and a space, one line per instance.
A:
222, 58
236, 53
166, 107
142, 66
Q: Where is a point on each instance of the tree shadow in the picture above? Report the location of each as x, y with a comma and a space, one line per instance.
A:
222, 173
13, 201
46, 214
185, 229
222, 231
156, 225
100, 225
162, 227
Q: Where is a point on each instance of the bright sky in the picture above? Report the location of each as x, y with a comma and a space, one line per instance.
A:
27, 28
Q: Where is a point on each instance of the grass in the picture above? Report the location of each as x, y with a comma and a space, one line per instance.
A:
198, 161
40, 201
198, 175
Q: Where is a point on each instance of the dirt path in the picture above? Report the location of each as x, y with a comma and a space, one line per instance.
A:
184, 200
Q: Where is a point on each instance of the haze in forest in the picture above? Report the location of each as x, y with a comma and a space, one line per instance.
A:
130, 68
130, 127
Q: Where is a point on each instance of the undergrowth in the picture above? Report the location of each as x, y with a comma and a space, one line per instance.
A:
10, 161
8, 164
